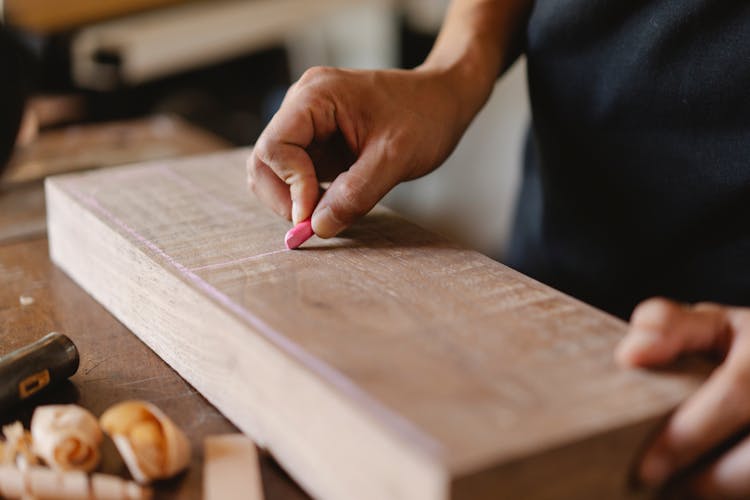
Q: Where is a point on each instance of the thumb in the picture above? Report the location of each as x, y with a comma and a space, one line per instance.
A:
352, 194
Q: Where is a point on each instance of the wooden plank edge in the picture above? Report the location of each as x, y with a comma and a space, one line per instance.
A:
600, 466
333, 446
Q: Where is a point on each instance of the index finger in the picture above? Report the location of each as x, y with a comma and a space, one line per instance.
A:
281, 147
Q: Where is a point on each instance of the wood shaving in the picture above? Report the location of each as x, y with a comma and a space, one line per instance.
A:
41, 483
66, 437
17, 449
151, 445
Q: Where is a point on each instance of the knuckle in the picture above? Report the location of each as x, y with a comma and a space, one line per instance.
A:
297, 179
316, 100
314, 75
395, 148
656, 314
391, 151
293, 88
260, 150
266, 152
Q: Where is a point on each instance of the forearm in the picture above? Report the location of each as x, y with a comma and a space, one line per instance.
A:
478, 40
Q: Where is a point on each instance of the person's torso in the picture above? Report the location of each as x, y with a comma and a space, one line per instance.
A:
642, 146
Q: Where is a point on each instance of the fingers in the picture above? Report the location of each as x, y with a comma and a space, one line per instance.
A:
728, 477
304, 117
661, 330
289, 162
266, 185
719, 409
354, 192
279, 163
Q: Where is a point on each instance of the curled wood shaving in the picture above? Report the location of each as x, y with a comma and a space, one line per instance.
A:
151, 445
66, 437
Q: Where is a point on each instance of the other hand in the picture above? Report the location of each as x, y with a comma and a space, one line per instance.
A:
717, 414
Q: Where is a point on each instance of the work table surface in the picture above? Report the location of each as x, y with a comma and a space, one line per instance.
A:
115, 365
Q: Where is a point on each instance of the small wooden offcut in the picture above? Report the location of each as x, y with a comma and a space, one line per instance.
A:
385, 363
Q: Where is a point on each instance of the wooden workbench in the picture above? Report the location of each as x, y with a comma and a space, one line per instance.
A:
115, 365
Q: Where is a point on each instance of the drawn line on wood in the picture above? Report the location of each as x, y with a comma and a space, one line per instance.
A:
396, 422
236, 261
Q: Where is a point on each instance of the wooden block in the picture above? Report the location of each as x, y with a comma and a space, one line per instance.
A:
385, 363
103, 144
231, 469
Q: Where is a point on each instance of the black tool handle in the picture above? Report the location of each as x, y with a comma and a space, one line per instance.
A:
25, 372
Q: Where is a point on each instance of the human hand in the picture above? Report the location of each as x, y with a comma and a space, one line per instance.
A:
365, 131
718, 414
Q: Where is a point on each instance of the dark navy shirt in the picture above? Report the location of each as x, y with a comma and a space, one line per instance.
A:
637, 179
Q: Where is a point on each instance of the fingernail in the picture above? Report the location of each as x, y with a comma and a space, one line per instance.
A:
635, 343
325, 224
655, 470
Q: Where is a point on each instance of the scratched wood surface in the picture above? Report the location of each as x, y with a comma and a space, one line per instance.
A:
385, 363
115, 365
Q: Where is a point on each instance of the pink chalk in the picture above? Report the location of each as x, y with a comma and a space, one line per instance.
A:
298, 234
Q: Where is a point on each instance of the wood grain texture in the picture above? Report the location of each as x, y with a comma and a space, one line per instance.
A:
385, 363
115, 366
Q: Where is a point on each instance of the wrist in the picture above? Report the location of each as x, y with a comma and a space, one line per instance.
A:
468, 77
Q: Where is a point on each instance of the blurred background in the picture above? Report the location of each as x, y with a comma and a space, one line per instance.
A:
126, 80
